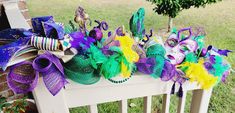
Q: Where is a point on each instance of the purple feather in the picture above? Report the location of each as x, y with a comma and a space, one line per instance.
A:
79, 40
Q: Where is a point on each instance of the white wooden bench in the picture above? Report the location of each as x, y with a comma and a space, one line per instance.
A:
14, 16
75, 95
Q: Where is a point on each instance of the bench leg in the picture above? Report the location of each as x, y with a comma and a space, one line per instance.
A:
200, 101
46, 103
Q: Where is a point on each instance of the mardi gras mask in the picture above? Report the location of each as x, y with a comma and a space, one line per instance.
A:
177, 48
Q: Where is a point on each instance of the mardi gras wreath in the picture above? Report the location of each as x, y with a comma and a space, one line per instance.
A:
56, 52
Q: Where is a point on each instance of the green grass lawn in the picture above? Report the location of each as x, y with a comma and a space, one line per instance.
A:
217, 19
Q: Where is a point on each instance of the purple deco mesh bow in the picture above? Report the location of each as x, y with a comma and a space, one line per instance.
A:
47, 65
20, 78
146, 65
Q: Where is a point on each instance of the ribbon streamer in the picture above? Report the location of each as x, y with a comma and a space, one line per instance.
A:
52, 72
219, 51
18, 39
49, 35
54, 30
168, 72
37, 24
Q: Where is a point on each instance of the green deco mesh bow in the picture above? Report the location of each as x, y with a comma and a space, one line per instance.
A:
83, 69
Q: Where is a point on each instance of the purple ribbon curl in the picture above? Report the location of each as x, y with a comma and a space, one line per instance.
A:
52, 72
102, 25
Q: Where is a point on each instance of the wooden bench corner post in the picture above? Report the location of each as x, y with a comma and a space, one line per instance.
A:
200, 101
47, 103
14, 16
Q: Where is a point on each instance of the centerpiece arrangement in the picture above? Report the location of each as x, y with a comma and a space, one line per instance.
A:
56, 52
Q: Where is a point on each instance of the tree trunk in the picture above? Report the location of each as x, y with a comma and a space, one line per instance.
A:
170, 24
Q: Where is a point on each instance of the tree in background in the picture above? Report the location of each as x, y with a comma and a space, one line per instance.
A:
171, 8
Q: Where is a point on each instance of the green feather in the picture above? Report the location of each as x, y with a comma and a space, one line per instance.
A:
70, 28
96, 56
111, 67
219, 67
191, 57
174, 30
200, 41
137, 23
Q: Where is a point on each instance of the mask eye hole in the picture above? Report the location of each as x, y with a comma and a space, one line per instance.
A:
172, 42
184, 48
188, 46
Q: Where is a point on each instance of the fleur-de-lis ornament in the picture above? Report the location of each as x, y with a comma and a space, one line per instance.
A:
82, 18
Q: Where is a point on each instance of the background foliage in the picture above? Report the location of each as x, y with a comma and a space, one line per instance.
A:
172, 8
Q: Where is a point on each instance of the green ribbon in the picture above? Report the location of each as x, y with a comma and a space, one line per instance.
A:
191, 57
